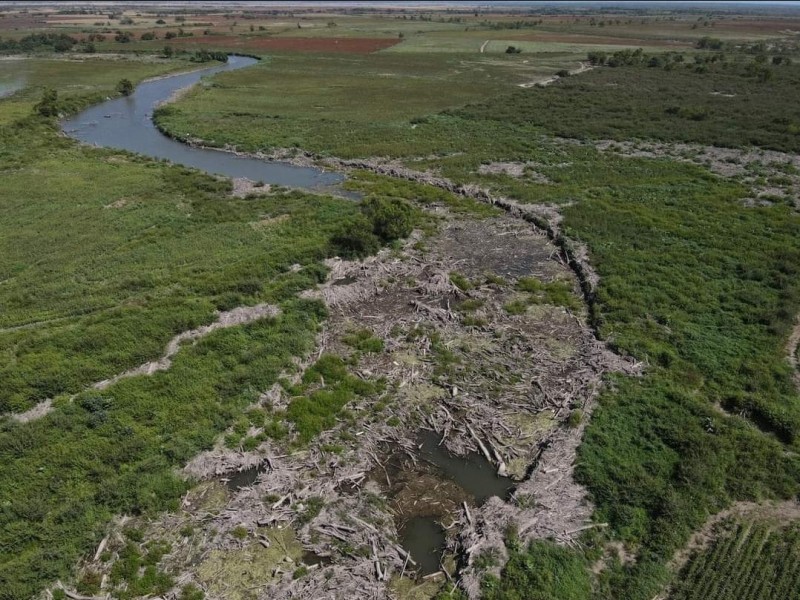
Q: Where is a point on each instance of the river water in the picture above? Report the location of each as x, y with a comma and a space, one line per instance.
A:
126, 124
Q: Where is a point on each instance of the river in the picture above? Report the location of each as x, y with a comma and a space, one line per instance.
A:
127, 124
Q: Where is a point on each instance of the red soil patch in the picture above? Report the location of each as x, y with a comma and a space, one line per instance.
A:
296, 44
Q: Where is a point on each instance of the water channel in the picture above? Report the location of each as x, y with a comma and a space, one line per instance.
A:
127, 124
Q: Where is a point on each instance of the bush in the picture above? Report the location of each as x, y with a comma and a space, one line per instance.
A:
513, 50
48, 105
147, 35
355, 239
125, 87
391, 218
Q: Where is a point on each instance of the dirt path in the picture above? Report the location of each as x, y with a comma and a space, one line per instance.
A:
483, 45
582, 68
237, 316
791, 352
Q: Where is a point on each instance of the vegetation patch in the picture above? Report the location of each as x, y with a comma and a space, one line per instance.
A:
727, 102
749, 560
235, 573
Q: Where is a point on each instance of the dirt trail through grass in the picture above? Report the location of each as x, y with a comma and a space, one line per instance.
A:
791, 352
231, 318
238, 316
582, 68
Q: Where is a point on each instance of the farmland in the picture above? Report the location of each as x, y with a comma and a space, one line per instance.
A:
572, 261
749, 558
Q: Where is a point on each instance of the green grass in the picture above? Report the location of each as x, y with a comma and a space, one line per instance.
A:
750, 560
696, 285
681, 105
150, 251
64, 476
363, 341
316, 409
333, 104
77, 80
542, 571
557, 293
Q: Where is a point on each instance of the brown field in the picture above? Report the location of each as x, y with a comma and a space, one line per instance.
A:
572, 38
295, 44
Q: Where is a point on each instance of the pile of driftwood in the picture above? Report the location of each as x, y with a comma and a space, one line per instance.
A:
503, 386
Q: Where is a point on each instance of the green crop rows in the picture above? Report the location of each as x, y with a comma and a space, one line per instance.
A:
748, 561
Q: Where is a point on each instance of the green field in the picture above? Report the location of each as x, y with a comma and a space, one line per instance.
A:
151, 250
723, 103
84, 80
748, 560
344, 105
105, 256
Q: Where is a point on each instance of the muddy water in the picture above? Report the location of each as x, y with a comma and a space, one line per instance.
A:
473, 473
126, 124
424, 538
245, 477
431, 492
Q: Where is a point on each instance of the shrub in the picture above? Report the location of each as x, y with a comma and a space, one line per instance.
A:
355, 239
48, 105
125, 87
391, 218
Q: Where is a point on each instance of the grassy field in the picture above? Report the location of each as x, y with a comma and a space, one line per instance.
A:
725, 104
344, 106
150, 250
82, 79
749, 560
698, 286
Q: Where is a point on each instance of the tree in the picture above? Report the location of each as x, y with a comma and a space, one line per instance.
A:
48, 105
125, 87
